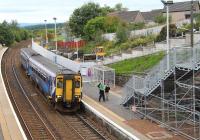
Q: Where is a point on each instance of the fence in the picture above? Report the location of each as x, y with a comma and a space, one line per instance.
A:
181, 57
89, 70
176, 108
104, 74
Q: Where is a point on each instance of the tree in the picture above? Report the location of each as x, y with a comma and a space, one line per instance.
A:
119, 7
112, 23
98, 37
6, 36
93, 26
163, 32
106, 24
10, 32
82, 15
106, 9
122, 34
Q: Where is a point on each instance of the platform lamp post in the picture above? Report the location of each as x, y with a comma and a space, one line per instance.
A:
166, 4
192, 24
55, 34
45, 21
76, 40
55, 39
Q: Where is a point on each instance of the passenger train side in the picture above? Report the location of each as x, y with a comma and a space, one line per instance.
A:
61, 86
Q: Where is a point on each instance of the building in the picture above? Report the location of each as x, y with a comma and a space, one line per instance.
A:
181, 11
150, 16
128, 16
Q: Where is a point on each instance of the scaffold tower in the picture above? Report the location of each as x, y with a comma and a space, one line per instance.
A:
170, 96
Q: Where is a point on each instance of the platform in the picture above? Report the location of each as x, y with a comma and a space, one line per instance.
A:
10, 128
111, 109
125, 118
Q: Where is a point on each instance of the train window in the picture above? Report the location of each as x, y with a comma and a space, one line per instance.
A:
77, 84
59, 83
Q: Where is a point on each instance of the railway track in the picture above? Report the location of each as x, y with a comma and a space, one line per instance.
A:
34, 125
83, 127
39, 120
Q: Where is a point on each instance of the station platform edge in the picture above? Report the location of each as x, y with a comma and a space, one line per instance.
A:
9, 122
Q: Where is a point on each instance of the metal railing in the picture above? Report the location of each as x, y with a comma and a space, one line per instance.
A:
181, 57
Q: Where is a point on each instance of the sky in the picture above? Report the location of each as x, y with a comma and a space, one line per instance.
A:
36, 11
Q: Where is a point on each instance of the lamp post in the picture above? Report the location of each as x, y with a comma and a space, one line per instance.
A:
46, 31
192, 25
55, 35
76, 43
166, 4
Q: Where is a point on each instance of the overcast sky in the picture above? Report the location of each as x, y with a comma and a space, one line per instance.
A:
35, 11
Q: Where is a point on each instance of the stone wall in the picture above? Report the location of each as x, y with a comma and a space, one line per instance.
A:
121, 80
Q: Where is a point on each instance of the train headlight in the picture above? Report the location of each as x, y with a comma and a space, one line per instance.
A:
59, 96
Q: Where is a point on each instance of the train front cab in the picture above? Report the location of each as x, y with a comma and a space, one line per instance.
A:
68, 92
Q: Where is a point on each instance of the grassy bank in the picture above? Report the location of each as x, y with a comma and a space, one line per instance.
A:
137, 65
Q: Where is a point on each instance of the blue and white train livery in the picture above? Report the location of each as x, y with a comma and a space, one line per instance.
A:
61, 86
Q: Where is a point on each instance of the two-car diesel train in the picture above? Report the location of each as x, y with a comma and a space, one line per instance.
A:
62, 87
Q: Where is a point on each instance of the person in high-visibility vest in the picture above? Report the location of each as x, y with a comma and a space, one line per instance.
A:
101, 87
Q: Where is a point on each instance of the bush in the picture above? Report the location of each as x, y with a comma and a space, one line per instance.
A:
163, 32
122, 34
136, 26
160, 19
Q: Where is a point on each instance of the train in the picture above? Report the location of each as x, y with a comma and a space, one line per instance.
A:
61, 87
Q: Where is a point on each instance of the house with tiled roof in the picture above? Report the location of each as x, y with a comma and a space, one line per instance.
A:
150, 16
128, 16
180, 11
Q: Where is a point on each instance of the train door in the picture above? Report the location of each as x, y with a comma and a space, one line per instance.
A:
59, 87
68, 95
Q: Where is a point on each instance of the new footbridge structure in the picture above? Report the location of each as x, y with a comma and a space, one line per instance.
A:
169, 93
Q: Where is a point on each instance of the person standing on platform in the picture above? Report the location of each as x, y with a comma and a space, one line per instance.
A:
107, 89
101, 87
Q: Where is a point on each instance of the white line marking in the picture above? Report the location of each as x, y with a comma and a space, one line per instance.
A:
10, 104
111, 122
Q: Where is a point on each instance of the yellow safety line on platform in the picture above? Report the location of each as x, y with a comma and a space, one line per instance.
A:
97, 105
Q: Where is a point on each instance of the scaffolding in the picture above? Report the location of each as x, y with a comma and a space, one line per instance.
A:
170, 96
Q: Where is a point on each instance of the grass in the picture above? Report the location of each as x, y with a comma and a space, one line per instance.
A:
137, 65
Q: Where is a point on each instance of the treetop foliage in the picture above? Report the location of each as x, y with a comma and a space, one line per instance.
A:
82, 15
101, 24
10, 32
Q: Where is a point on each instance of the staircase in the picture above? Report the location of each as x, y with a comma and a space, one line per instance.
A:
184, 59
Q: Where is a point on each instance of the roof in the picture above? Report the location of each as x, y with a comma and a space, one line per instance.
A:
150, 16
181, 6
45, 64
28, 52
127, 16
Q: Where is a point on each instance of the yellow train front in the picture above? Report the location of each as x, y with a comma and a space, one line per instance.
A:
68, 92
